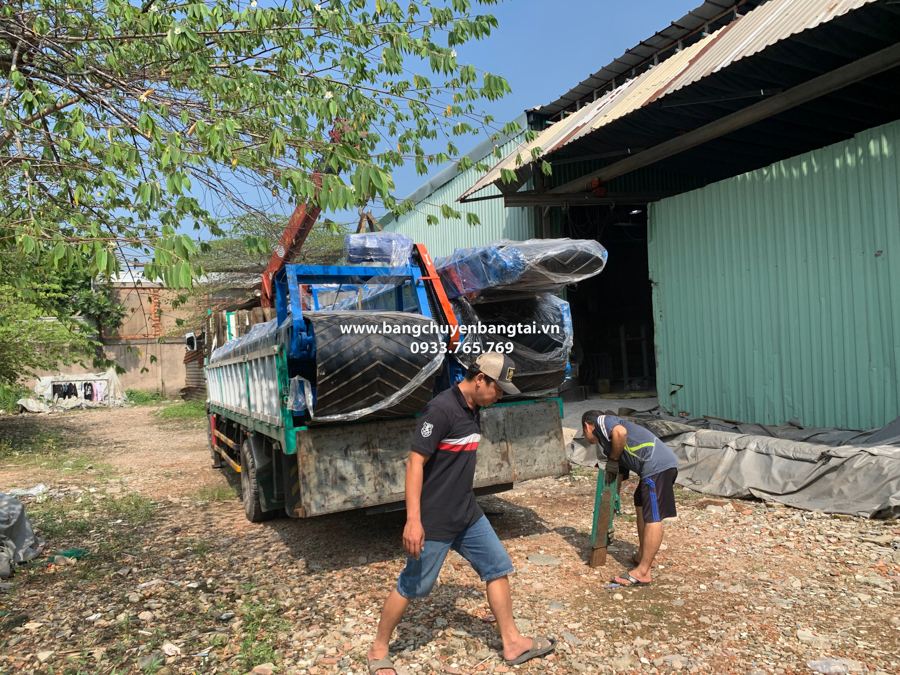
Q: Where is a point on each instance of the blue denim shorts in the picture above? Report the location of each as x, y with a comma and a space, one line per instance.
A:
478, 544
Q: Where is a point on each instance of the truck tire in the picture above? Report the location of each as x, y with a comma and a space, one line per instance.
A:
250, 487
355, 371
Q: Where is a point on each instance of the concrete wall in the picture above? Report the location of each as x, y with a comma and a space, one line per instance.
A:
166, 374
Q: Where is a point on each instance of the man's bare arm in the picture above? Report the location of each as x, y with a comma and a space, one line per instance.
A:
414, 533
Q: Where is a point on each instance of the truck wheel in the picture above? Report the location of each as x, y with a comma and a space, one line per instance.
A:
250, 487
216, 457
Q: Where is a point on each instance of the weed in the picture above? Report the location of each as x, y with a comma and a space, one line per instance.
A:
37, 446
60, 520
144, 397
657, 610
582, 471
217, 493
260, 624
9, 396
133, 508
188, 410
74, 517
199, 547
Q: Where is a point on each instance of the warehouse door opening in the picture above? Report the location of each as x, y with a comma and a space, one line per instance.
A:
612, 313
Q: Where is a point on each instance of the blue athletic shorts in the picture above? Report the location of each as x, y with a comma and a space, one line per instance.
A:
655, 496
478, 544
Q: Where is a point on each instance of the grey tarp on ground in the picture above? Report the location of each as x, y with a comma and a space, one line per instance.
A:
17, 540
859, 481
842, 471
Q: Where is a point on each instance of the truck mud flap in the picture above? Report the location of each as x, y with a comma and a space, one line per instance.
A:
363, 465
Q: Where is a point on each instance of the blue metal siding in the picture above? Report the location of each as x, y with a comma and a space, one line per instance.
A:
777, 292
497, 222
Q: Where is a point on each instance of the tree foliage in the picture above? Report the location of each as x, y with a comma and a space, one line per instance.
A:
323, 245
30, 342
50, 318
123, 126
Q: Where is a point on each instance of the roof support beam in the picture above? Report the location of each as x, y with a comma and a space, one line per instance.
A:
546, 199
820, 86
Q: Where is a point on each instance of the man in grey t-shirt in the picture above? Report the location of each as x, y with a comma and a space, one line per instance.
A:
629, 447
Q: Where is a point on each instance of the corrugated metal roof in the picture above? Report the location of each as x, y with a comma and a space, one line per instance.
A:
643, 52
479, 153
752, 33
497, 222
776, 291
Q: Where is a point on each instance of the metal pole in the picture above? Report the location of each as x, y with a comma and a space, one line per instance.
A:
624, 342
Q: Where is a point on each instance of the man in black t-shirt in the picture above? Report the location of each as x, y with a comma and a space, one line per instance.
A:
442, 513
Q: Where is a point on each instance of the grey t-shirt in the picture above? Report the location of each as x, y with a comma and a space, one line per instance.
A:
644, 454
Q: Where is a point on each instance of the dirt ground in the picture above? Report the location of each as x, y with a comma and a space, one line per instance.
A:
175, 580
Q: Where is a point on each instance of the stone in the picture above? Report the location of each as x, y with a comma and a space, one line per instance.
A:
265, 669
146, 616
362, 560
148, 660
618, 596
124, 572
43, 656
440, 622
704, 619
679, 603
881, 539
715, 509
623, 662
571, 639
543, 560
557, 606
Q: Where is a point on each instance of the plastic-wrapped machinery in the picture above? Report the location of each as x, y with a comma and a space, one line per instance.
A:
505, 268
540, 350
389, 248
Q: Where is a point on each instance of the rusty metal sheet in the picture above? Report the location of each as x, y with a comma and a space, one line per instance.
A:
354, 466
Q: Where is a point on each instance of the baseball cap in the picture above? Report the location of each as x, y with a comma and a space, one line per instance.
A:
500, 368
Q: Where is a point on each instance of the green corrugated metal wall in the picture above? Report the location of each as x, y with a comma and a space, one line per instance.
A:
497, 222
777, 293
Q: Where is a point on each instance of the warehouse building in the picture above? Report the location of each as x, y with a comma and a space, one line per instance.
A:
741, 168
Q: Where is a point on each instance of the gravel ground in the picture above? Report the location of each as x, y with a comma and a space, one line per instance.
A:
177, 581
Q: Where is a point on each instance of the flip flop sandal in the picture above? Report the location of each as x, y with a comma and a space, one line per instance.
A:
631, 581
540, 646
380, 664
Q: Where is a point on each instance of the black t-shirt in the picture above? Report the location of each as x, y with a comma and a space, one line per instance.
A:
447, 434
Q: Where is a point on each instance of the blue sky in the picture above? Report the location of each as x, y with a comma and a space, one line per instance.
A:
544, 48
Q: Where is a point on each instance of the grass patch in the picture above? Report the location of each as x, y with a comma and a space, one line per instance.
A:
133, 508
144, 397
189, 410
583, 471
261, 625
9, 396
217, 493
73, 517
36, 444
